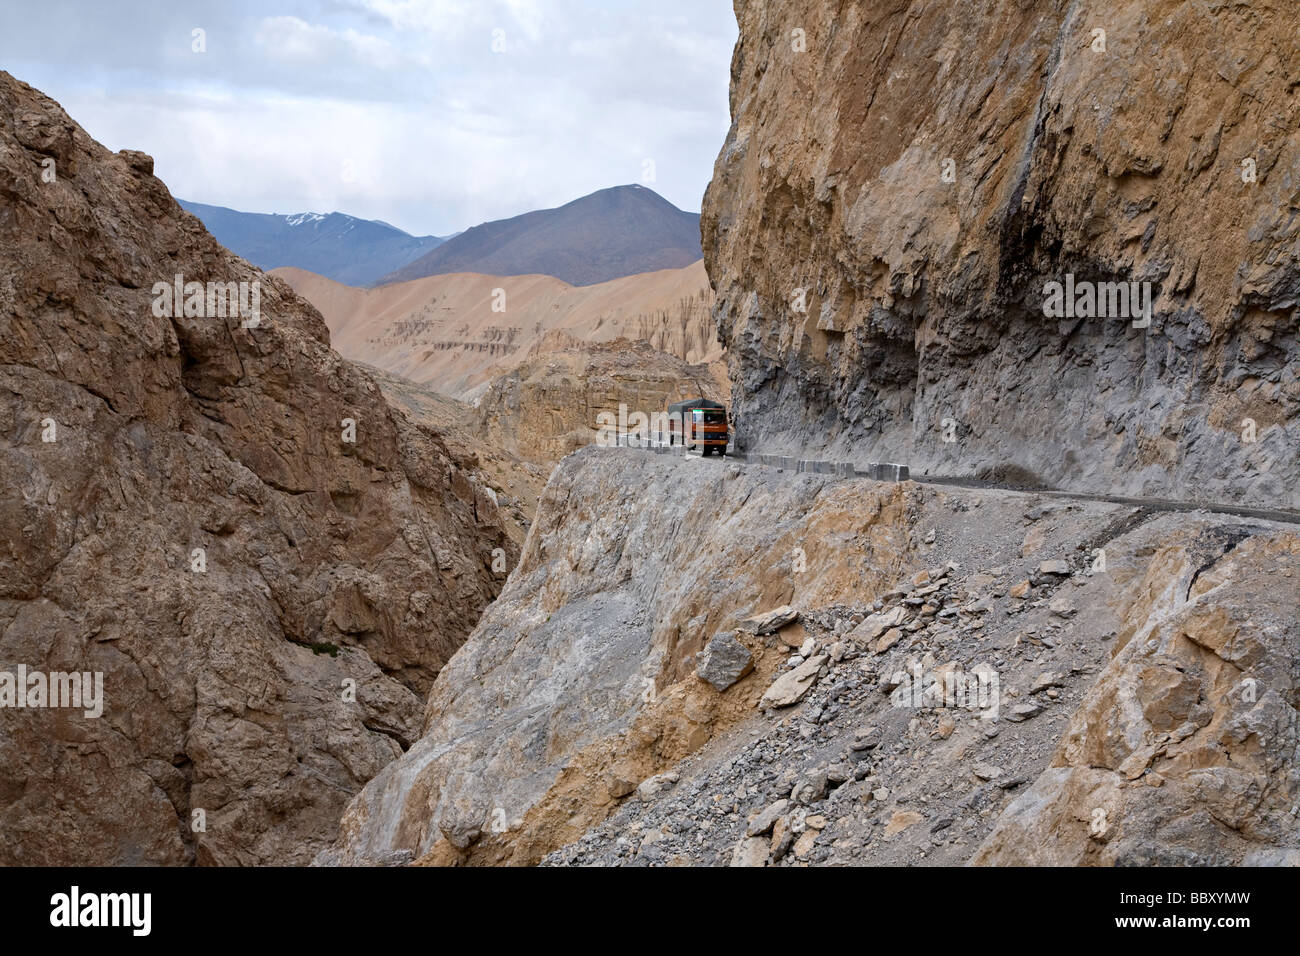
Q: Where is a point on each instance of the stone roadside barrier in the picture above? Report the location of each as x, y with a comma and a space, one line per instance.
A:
877, 471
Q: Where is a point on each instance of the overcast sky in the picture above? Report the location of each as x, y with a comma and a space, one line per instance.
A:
400, 110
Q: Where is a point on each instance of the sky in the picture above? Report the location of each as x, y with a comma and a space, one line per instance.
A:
432, 115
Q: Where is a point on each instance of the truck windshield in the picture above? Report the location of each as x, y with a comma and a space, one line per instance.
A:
709, 416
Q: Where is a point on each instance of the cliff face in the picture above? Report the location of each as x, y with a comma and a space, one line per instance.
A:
1140, 702
922, 169
1184, 751
578, 683
184, 514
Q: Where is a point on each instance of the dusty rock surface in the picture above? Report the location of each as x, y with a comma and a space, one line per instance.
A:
578, 697
1184, 752
267, 602
1151, 723
581, 679
920, 170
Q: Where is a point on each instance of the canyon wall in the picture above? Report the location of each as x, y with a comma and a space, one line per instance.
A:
265, 564
902, 179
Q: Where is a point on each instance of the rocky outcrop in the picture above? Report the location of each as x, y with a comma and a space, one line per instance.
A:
902, 179
547, 407
1184, 752
592, 690
579, 683
265, 563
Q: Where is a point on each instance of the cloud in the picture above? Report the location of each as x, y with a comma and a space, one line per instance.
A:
437, 132
296, 43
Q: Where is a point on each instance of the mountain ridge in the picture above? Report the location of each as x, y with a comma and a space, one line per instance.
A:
341, 247
609, 234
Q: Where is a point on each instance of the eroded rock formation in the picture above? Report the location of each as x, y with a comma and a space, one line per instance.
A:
914, 172
579, 697
182, 512
455, 333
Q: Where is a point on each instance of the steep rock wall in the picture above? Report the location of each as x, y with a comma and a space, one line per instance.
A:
1120, 157
574, 716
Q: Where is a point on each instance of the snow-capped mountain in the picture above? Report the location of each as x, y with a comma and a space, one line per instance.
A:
341, 247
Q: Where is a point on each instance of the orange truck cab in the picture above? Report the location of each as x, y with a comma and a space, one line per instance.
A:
699, 421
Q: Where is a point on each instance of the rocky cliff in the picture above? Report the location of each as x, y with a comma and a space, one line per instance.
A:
266, 564
903, 179
629, 700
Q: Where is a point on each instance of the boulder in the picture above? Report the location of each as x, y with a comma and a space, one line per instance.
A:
788, 689
877, 624
724, 660
770, 621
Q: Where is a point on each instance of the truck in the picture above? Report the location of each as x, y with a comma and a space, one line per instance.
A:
699, 421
